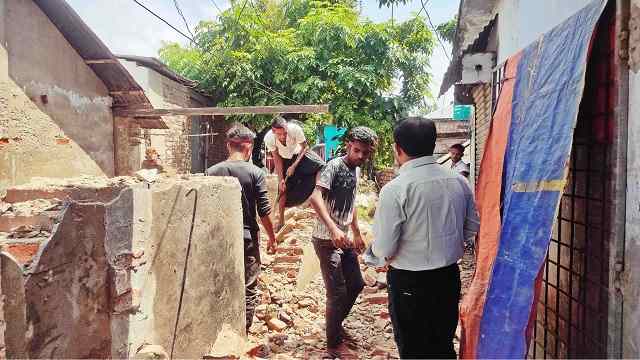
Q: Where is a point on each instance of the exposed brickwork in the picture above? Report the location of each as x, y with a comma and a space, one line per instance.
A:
217, 149
173, 146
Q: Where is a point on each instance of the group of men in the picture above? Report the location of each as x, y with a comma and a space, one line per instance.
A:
423, 218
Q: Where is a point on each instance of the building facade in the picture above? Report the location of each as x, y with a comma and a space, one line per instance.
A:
57, 118
588, 303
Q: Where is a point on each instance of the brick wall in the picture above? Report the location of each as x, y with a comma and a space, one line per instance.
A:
482, 98
217, 148
449, 133
128, 146
175, 147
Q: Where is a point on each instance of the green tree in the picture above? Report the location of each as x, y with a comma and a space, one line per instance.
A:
273, 52
447, 30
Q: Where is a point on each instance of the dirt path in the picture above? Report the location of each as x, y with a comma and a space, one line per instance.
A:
290, 322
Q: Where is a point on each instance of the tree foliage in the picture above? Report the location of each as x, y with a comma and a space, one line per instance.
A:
273, 52
447, 30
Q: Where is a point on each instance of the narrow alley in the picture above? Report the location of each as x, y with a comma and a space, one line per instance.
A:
319, 179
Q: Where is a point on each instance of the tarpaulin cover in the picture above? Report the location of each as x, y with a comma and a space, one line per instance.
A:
547, 88
488, 201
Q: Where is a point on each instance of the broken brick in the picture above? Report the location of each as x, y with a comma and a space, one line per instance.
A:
369, 290
291, 251
283, 268
306, 302
370, 277
379, 299
60, 140
287, 259
276, 324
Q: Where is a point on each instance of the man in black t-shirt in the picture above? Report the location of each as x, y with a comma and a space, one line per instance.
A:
254, 201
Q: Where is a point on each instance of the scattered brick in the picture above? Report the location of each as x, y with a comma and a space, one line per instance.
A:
379, 299
276, 324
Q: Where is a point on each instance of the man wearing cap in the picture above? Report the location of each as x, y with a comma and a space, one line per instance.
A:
254, 199
295, 166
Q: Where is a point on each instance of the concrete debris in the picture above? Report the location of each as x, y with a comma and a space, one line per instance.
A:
138, 235
104, 280
370, 277
300, 306
151, 352
286, 229
229, 345
276, 324
148, 175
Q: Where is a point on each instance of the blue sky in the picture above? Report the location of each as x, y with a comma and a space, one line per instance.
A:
128, 29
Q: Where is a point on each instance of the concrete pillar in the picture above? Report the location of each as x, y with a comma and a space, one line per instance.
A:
115, 275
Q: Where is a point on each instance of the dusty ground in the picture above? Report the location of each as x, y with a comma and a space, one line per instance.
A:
290, 321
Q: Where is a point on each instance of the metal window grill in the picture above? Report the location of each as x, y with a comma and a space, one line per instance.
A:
572, 310
497, 79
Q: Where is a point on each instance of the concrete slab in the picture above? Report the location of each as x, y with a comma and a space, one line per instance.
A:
214, 288
14, 307
67, 290
109, 280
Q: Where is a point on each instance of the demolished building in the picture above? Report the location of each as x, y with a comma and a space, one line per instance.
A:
92, 265
190, 144
60, 87
122, 267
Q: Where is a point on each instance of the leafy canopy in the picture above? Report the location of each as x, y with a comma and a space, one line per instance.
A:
273, 52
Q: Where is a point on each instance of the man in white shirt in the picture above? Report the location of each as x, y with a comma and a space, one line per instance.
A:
295, 166
424, 216
456, 152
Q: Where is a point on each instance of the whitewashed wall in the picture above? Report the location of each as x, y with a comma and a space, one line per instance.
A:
521, 22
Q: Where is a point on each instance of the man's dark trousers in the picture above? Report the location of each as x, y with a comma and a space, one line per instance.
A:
251, 272
343, 281
424, 311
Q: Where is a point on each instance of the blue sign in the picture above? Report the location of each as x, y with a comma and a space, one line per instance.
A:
462, 112
332, 135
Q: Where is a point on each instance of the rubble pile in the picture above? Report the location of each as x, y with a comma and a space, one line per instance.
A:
28, 213
289, 323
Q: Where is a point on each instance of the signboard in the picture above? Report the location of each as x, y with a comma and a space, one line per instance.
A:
332, 136
462, 112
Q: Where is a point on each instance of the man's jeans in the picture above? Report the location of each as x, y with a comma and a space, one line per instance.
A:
251, 272
424, 311
343, 281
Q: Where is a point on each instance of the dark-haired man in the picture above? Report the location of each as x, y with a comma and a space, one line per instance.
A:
254, 199
456, 152
295, 166
423, 217
334, 203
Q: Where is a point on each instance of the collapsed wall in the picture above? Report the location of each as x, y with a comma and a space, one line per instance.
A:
151, 267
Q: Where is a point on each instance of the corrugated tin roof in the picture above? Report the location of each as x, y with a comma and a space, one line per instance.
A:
124, 90
475, 21
160, 67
